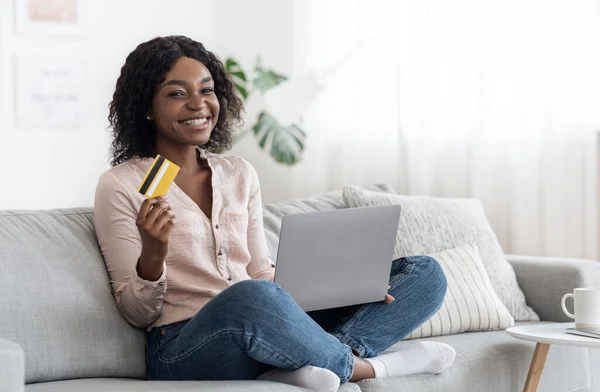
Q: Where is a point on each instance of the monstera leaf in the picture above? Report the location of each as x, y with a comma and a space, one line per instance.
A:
238, 77
266, 78
285, 144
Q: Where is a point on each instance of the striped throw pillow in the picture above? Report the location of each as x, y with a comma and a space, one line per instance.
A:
471, 304
434, 224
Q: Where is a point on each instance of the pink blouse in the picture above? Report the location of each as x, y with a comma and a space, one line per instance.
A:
206, 255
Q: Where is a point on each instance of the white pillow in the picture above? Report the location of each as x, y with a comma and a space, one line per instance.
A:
429, 225
471, 304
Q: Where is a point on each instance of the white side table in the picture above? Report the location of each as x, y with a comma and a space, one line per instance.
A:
545, 335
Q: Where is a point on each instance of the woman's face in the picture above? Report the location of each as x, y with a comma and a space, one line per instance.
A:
185, 108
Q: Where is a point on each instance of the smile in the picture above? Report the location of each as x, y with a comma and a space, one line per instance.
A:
195, 122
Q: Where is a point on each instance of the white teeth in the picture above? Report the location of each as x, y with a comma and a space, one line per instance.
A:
196, 122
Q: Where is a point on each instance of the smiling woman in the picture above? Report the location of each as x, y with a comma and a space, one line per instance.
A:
195, 270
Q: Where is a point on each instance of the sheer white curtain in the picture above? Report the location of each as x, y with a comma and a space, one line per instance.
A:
487, 99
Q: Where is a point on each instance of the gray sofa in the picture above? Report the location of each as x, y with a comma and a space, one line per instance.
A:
60, 329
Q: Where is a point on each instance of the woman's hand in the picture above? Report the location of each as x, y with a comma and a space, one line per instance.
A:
388, 298
155, 222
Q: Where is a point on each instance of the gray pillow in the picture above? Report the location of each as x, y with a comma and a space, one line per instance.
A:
55, 299
429, 225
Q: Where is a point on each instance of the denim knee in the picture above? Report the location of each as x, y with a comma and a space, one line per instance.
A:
253, 289
245, 295
434, 283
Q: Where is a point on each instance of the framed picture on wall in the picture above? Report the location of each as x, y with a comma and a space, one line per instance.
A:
49, 92
48, 17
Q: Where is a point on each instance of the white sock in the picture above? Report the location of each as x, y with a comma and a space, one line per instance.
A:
413, 357
311, 377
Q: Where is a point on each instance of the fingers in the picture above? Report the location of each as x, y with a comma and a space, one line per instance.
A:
168, 228
157, 210
165, 217
389, 299
145, 209
156, 221
163, 233
156, 214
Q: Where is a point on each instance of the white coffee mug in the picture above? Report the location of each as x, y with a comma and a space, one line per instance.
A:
587, 307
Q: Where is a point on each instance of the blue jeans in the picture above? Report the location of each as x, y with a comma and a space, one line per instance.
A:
254, 326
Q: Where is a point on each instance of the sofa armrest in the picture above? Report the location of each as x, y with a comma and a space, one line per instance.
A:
12, 367
544, 281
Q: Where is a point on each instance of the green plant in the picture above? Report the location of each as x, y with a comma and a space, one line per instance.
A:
285, 144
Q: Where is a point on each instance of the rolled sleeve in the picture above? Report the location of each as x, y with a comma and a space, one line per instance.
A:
115, 212
260, 266
266, 274
141, 298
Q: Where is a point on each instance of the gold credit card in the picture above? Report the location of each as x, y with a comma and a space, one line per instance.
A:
159, 178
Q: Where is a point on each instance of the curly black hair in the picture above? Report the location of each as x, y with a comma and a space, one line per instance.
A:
144, 69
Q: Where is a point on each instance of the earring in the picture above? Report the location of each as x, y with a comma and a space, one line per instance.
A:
148, 117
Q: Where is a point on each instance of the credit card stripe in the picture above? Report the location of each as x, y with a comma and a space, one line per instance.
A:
159, 177
153, 172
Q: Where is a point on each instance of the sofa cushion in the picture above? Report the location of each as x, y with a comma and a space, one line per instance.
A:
429, 224
494, 362
55, 299
471, 304
12, 366
125, 385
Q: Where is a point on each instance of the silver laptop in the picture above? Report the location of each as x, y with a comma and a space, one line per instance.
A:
337, 258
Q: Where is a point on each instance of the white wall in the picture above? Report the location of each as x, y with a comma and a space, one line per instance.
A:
266, 28
53, 168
